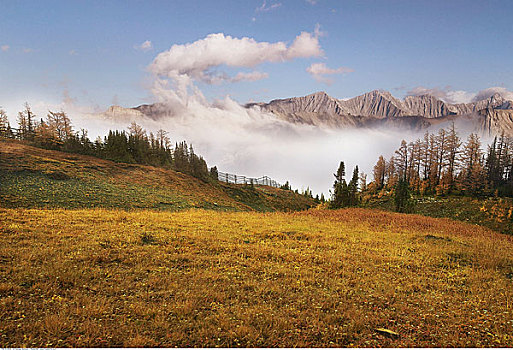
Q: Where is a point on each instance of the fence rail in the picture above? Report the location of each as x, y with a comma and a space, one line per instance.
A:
245, 180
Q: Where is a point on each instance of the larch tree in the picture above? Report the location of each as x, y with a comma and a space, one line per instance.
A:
5, 127
401, 160
60, 125
452, 155
379, 172
472, 173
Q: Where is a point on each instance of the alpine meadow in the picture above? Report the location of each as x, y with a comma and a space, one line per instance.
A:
261, 173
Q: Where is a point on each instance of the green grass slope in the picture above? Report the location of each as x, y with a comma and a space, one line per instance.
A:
31, 177
495, 213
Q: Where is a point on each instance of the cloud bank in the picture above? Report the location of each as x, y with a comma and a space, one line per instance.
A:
461, 96
487, 93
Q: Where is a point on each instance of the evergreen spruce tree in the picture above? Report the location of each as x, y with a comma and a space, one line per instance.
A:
352, 189
339, 187
214, 173
402, 197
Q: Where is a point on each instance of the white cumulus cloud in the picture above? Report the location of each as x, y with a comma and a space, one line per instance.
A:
183, 64
145, 46
320, 70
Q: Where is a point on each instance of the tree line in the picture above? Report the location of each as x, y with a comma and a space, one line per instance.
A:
441, 163
133, 146
436, 164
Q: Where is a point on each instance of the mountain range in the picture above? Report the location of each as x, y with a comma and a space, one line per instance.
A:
491, 116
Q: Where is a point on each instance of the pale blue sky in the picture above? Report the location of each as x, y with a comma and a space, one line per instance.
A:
86, 48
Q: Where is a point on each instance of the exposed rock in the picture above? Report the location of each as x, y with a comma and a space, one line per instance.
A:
429, 106
379, 108
155, 110
121, 113
497, 121
374, 109
377, 104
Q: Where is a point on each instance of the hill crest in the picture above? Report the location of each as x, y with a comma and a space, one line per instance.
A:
39, 178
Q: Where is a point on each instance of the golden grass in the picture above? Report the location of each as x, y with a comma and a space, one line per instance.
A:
92, 278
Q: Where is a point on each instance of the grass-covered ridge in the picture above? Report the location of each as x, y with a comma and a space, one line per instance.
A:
32, 177
495, 213
91, 278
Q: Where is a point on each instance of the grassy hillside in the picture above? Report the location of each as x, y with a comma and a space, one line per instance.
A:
495, 213
37, 178
94, 278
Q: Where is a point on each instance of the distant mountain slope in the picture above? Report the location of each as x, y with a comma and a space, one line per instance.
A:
378, 108
373, 109
497, 121
37, 178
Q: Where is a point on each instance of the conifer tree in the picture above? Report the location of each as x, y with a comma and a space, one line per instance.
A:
5, 127
402, 197
453, 150
472, 176
22, 126
214, 173
352, 199
339, 187
401, 160
379, 173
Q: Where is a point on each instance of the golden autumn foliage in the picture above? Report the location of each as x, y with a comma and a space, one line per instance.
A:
318, 278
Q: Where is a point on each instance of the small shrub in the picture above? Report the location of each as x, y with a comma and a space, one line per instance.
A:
148, 238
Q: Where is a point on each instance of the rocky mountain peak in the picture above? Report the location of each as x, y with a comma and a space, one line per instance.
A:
377, 107
496, 99
319, 94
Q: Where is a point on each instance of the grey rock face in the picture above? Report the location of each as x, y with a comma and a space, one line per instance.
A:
414, 112
373, 109
497, 121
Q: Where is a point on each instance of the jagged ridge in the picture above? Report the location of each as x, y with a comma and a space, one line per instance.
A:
372, 109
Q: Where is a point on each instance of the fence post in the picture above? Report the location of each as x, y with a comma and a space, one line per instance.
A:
242, 179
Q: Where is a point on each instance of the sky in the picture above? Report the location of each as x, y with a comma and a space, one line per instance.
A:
84, 56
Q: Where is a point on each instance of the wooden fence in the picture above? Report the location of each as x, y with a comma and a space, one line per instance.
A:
244, 180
